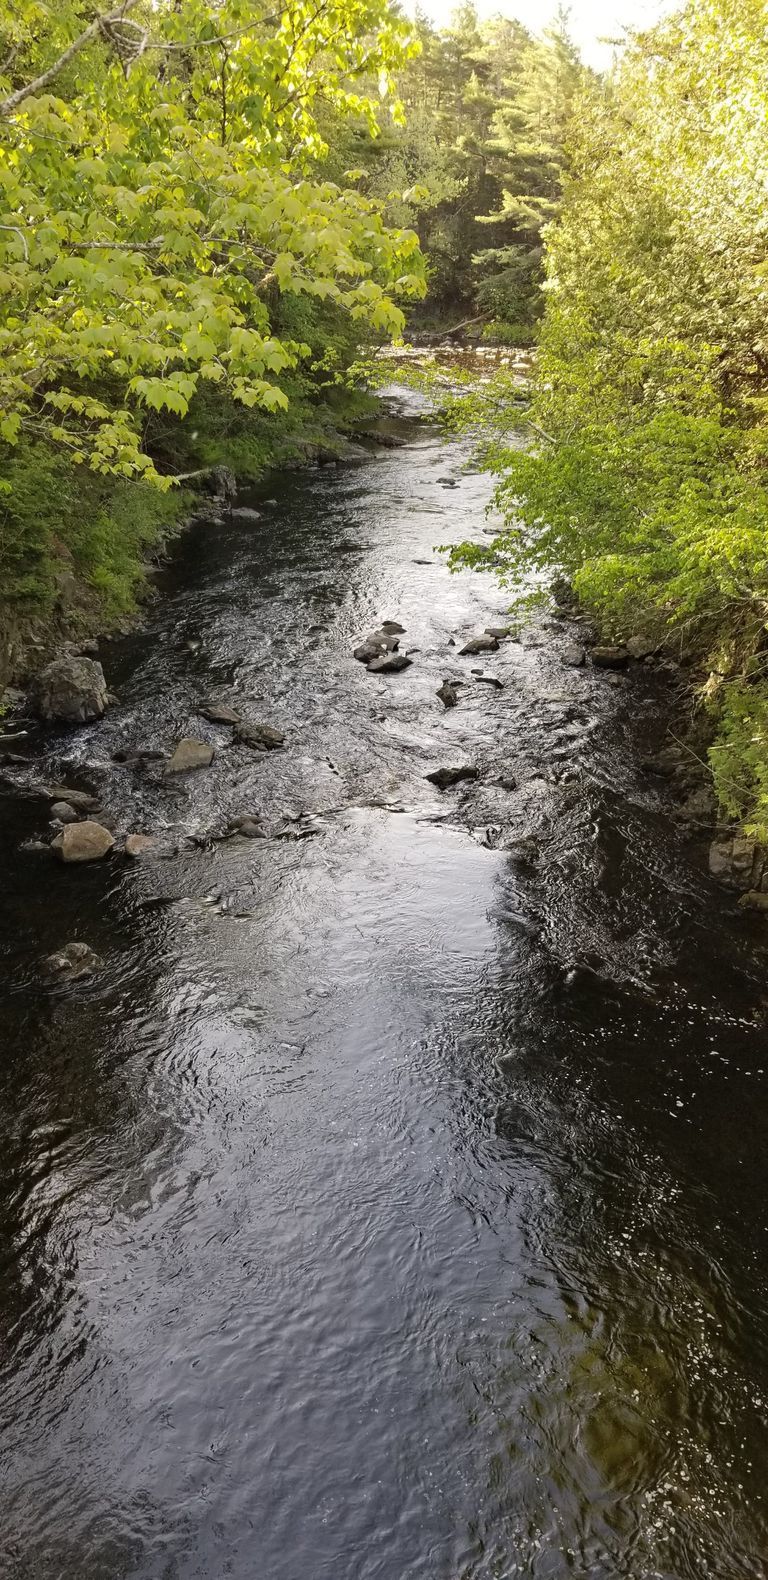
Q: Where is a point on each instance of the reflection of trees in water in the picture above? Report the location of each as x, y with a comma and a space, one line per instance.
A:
72, 1083
621, 1402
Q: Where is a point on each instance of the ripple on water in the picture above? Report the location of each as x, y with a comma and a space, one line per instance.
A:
390, 1206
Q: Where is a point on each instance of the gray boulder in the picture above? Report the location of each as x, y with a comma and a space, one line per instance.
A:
641, 647
64, 812
389, 664
189, 754
219, 713
374, 645
480, 644
573, 656
739, 863
448, 694
70, 690
86, 841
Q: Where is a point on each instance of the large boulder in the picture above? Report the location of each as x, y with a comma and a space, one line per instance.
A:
739, 863
86, 841
70, 690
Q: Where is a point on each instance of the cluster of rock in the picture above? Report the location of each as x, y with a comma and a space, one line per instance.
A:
380, 650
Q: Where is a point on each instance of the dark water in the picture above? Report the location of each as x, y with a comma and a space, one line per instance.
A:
347, 1232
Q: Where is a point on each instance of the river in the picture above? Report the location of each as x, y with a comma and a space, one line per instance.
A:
391, 1205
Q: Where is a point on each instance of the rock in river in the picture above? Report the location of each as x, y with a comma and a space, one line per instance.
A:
188, 754
70, 690
72, 962
83, 842
392, 628
219, 713
448, 693
260, 737
136, 844
610, 657
374, 645
480, 644
389, 664
445, 778
573, 656
739, 863
81, 800
64, 812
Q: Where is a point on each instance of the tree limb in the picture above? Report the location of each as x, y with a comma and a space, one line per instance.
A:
13, 100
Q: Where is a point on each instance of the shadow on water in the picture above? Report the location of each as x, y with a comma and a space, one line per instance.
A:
391, 1204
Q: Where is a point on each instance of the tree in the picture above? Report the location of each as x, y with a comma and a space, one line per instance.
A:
526, 155
160, 188
647, 483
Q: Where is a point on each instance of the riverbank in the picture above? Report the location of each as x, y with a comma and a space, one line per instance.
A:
81, 552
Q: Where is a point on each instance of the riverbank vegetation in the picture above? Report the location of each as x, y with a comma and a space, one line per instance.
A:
647, 480
174, 254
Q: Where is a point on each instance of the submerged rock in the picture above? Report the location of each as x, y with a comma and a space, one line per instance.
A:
70, 690
389, 664
136, 844
392, 628
260, 737
248, 825
445, 778
85, 841
610, 657
188, 754
480, 644
73, 961
245, 513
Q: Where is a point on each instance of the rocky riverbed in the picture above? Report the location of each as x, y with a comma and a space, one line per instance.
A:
385, 1098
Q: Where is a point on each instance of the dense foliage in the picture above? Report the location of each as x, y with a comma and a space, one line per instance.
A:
171, 242
647, 483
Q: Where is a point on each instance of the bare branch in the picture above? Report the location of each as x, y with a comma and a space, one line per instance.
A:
92, 32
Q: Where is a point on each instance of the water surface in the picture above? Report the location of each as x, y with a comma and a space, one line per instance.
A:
392, 1204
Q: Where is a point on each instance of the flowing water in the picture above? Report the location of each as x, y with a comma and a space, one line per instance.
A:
391, 1205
